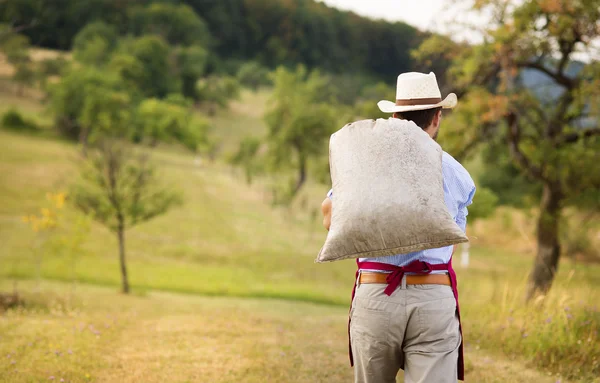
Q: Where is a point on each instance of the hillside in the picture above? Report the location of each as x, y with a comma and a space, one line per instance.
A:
228, 241
273, 32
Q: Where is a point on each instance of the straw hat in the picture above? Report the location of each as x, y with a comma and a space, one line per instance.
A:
417, 91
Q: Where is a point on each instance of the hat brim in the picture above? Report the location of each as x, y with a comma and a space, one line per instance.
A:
390, 107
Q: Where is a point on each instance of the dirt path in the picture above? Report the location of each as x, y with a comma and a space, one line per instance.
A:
222, 340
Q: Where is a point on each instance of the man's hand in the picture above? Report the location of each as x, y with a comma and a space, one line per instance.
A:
326, 209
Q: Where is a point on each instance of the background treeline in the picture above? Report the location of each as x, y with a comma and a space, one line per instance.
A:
272, 32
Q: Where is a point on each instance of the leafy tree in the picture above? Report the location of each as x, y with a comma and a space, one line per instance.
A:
53, 24
484, 204
97, 29
253, 75
366, 104
130, 70
299, 121
94, 43
247, 157
54, 66
217, 91
105, 112
88, 102
16, 49
177, 24
153, 53
506, 179
121, 189
523, 88
166, 121
191, 63
48, 221
436, 54
272, 32
25, 75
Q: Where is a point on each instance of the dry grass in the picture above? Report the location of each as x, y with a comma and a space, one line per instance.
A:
243, 118
99, 336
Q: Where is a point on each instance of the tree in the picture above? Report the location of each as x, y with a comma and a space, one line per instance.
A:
130, 70
217, 91
436, 54
153, 53
247, 157
522, 87
105, 112
191, 63
50, 219
16, 49
299, 121
121, 189
253, 75
94, 43
166, 121
273, 32
53, 24
177, 24
88, 102
366, 104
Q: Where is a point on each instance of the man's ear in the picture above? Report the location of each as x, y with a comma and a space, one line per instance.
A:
437, 118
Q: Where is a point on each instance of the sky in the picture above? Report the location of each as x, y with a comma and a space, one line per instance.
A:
419, 13
433, 15
447, 17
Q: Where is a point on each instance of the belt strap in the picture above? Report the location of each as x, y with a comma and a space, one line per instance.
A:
394, 278
431, 279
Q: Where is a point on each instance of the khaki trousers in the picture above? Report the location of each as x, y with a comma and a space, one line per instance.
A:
416, 326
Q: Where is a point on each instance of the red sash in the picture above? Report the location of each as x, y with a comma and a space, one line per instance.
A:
395, 278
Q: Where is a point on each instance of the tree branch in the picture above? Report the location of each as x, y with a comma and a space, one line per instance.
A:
566, 48
18, 29
559, 117
560, 78
576, 136
514, 138
481, 79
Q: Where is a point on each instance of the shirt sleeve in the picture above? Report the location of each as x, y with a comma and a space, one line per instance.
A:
330, 194
461, 217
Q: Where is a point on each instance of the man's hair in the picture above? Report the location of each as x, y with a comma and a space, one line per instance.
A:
420, 117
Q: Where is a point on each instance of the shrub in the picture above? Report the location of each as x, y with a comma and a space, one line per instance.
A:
12, 119
253, 75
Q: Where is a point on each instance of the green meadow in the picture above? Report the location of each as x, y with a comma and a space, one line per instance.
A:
225, 288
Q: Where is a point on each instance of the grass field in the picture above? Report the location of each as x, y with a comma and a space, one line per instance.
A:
225, 288
95, 335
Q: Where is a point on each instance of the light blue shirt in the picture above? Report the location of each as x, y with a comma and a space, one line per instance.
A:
459, 189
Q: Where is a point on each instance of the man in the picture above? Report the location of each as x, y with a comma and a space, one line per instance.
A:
416, 326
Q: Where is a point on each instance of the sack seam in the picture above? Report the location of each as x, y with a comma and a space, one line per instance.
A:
399, 250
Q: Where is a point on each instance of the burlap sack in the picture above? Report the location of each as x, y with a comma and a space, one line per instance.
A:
388, 195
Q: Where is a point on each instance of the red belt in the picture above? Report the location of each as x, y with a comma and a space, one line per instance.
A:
394, 278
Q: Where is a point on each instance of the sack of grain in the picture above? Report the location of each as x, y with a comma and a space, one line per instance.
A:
388, 195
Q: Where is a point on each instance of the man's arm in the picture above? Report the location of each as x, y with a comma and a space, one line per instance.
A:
326, 210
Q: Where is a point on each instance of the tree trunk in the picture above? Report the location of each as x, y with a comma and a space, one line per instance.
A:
124, 280
301, 175
548, 247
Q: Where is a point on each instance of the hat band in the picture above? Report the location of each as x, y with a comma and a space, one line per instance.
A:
419, 101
